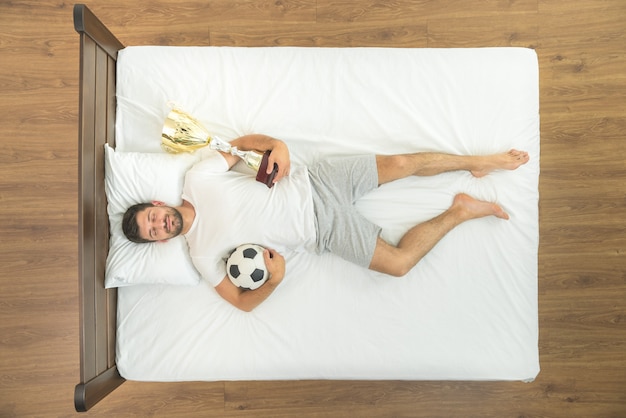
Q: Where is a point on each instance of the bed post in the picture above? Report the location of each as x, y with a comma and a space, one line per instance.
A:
98, 306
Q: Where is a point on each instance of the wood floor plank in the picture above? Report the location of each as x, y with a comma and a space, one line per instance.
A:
483, 31
572, 29
193, 13
590, 69
399, 11
204, 399
331, 35
368, 396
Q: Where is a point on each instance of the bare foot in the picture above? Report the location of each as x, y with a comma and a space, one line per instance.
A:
506, 161
470, 208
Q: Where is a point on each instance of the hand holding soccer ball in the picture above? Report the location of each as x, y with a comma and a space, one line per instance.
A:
275, 264
250, 265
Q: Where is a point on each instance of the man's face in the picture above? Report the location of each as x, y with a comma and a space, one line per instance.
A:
159, 223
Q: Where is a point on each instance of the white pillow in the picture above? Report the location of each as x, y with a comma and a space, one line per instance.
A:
130, 178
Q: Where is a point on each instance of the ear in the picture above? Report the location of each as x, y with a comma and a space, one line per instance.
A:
158, 203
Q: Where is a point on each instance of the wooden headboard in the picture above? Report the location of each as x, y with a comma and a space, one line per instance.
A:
98, 306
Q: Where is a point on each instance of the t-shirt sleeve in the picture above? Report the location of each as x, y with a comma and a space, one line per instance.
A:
210, 269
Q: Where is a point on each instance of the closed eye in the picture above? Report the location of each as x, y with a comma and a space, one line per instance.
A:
152, 230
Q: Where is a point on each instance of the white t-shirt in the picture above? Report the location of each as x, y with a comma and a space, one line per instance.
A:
232, 208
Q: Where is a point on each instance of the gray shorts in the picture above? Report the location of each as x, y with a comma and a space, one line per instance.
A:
341, 229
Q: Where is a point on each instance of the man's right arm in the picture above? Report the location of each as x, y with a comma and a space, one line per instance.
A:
279, 152
247, 300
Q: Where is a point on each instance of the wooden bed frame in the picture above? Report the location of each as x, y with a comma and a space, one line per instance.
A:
98, 306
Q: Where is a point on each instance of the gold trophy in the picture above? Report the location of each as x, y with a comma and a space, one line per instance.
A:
183, 133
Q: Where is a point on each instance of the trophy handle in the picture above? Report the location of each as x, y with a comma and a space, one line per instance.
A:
262, 176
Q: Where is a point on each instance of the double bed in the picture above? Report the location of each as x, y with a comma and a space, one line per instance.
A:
467, 311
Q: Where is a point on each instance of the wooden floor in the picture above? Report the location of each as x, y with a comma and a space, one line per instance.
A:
582, 257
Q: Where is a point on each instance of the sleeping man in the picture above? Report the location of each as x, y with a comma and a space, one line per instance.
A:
309, 209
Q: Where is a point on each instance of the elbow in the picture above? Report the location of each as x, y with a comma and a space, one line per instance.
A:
399, 272
246, 309
244, 305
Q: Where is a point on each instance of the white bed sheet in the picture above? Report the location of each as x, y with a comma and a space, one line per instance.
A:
468, 311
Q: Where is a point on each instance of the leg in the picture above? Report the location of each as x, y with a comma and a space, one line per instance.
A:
394, 167
418, 241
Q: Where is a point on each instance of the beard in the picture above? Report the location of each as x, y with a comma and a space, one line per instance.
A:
176, 220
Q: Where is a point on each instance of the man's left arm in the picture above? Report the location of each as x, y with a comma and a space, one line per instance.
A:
279, 153
247, 300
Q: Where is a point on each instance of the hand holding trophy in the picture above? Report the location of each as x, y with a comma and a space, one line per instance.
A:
183, 133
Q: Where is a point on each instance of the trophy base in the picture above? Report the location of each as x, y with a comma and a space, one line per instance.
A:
262, 176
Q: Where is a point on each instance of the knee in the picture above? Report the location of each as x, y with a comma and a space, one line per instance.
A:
394, 167
399, 270
394, 164
395, 267
400, 162
392, 260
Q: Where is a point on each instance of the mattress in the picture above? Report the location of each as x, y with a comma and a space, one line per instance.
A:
467, 311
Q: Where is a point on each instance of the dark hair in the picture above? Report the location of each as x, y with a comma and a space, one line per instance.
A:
129, 222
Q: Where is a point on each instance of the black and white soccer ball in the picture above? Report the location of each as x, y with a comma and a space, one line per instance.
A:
246, 266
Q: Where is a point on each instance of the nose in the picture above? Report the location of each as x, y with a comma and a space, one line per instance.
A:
162, 223
158, 223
